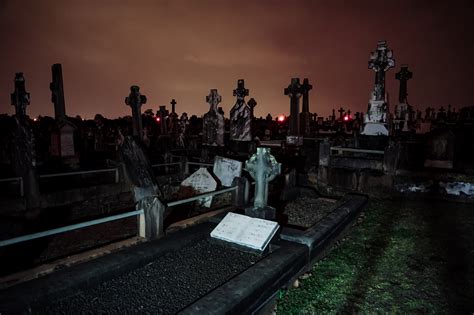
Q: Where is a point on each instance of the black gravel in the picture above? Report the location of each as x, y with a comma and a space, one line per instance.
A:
306, 211
164, 286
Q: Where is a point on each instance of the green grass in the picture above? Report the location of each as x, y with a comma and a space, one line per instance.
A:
401, 257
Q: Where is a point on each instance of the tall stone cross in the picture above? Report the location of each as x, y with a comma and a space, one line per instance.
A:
341, 112
306, 87
263, 168
380, 61
173, 106
135, 100
403, 76
57, 92
213, 99
241, 92
294, 91
20, 98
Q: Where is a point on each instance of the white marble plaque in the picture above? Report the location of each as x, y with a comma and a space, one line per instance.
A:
226, 170
201, 181
246, 231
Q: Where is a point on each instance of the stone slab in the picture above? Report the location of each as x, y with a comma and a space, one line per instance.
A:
227, 169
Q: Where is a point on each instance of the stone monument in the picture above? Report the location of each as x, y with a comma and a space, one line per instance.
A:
241, 115
23, 147
263, 168
377, 118
403, 111
163, 115
57, 92
305, 115
173, 119
135, 100
294, 91
20, 98
213, 122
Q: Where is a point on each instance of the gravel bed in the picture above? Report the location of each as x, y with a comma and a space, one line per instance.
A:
164, 286
306, 211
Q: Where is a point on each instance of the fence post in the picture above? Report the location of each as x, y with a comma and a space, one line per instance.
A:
240, 196
22, 189
150, 223
117, 177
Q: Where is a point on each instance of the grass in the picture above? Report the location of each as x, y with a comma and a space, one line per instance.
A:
401, 257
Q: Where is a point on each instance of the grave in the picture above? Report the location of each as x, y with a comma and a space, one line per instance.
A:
199, 182
213, 122
403, 111
245, 231
294, 91
305, 115
241, 115
377, 118
263, 168
226, 170
440, 149
135, 100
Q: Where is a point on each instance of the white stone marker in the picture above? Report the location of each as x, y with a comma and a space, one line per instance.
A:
226, 170
201, 181
245, 231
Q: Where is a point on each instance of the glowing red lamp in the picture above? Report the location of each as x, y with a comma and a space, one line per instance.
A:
281, 118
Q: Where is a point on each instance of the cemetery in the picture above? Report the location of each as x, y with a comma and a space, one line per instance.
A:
161, 212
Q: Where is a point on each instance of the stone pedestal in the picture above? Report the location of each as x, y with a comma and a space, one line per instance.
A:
267, 212
376, 120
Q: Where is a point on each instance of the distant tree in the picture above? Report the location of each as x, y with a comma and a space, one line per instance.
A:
149, 112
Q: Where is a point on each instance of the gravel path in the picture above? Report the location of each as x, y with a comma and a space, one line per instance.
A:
306, 211
164, 286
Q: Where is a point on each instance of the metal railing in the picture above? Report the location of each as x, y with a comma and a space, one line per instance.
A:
340, 150
69, 228
15, 179
84, 172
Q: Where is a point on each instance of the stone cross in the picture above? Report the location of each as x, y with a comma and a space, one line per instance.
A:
241, 92
20, 98
403, 76
333, 117
135, 100
57, 92
213, 99
341, 112
294, 91
380, 61
263, 168
306, 87
173, 106
213, 122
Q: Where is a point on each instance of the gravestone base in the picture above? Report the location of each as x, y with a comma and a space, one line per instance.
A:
294, 140
375, 129
71, 162
267, 212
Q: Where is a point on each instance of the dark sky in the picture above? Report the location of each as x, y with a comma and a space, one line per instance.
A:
181, 49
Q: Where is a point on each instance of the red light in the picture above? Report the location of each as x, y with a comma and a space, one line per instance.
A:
346, 118
281, 118
157, 119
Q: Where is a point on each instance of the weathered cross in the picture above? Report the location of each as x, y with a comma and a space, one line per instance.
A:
173, 106
213, 99
20, 98
341, 112
163, 114
306, 87
403, 76
263, 168
241, 92
294, 91
135, 100
380, 61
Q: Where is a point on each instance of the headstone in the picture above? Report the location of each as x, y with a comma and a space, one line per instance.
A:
245, 231
213, 122
440, 149
62, 139
200, 182
403, 111
241, 115
135, 100
57, 92
377, 118
23, 147
173, 124
252, 103
20, 98
263, 168
305, 116
226, 170
294, 91
182, 125
163, 115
